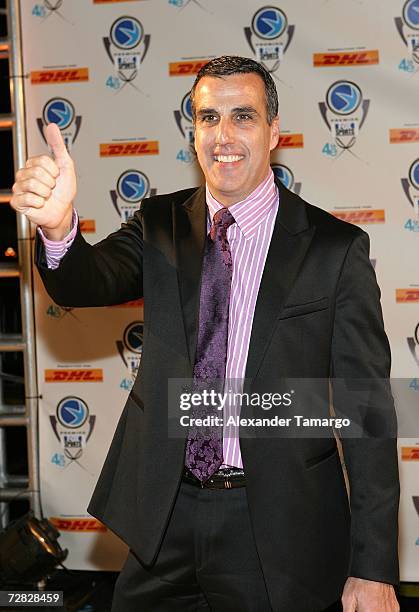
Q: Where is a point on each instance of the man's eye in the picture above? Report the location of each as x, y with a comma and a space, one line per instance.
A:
244, 117
209, 118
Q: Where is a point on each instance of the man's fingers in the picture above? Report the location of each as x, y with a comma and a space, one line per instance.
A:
37, 173
56, 142
34, 186
43, 161
23, 201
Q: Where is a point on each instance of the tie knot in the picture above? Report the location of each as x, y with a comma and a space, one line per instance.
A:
221, 222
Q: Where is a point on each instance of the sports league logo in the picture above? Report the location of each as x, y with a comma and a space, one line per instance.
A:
59, 312
410, 185
131, 188
130, 349
286, 176
62, 112
184, 122
408, 28
269, 36
126, 47
184, 119
48, 8
413, 344
344, 112
73, 426
181, 4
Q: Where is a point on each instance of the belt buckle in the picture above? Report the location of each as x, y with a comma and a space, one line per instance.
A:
227, 481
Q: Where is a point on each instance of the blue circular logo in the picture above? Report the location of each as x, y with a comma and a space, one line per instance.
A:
59, 111
414, 174
284, 174
72, 412
133, 186
411, 14
133, 337
126, 33
269, 22
186, 108
343, 97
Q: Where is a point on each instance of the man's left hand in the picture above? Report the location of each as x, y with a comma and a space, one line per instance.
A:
361, 595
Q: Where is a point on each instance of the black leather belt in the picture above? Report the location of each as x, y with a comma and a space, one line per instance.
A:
224, 478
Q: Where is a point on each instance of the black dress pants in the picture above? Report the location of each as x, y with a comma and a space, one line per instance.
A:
207, 562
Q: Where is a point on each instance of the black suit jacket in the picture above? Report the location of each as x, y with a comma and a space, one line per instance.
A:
317, 316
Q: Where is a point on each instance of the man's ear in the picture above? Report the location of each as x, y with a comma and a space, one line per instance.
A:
274, 133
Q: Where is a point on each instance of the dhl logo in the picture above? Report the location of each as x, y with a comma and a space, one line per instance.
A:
87, 226
71, 75
74, 375
410, 453
4, 50
290, 141
345, 58
407, 295
360, 216
186, 68
132, 304
76, 524
404, 135
121, 149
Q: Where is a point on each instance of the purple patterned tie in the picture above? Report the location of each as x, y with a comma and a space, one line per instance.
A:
204, 448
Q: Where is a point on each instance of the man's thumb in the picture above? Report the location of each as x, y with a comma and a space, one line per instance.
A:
56, 142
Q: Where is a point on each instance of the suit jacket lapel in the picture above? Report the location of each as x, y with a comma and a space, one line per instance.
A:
190, 226
291, 238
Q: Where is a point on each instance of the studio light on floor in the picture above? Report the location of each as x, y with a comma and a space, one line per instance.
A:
29, 551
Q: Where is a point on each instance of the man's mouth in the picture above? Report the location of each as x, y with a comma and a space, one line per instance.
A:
228, 159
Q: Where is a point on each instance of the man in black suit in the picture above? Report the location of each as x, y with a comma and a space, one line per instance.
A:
271, 530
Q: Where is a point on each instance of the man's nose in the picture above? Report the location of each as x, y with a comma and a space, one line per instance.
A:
224, 131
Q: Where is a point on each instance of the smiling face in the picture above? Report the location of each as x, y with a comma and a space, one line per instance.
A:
233, 139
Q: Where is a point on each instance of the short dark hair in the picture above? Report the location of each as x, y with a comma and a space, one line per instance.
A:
234, 64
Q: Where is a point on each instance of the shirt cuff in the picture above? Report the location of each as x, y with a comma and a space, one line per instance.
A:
56, 249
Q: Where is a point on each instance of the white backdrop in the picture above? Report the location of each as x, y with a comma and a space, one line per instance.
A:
115, 76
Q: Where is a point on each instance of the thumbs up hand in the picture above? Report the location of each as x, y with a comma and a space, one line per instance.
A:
45, 188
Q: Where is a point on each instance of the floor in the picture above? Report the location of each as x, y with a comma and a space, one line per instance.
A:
92, 592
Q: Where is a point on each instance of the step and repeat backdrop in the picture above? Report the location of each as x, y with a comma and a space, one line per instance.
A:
115, 76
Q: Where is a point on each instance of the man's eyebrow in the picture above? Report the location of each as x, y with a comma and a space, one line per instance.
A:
207, 111
245, 109
238, 109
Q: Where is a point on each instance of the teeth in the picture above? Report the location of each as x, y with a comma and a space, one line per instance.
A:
228, 158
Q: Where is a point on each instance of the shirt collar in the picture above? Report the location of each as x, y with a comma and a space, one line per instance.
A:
253, 210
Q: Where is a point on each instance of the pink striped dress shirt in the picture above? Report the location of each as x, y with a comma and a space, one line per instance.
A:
249, 240
56, 249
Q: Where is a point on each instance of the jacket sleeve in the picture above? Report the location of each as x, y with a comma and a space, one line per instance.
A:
109, 272
361, 391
